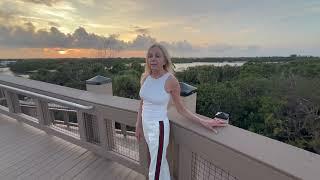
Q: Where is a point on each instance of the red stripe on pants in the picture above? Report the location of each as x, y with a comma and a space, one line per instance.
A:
160, 150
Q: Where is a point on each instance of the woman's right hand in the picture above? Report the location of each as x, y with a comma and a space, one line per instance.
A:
139, 132
212, 123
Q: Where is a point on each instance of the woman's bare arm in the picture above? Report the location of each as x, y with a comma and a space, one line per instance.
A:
139, 130
139, 118
174, 87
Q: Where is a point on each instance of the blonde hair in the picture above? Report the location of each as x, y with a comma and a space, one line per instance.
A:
169, 66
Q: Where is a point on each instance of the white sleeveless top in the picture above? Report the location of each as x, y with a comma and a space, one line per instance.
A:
155, 98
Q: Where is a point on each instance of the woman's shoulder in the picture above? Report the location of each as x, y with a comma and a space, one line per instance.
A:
171, 76
172, 81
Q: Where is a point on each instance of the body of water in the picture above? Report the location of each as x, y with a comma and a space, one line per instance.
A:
183, 66
179, 67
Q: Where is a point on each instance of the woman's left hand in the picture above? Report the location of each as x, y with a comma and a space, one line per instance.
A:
211, 123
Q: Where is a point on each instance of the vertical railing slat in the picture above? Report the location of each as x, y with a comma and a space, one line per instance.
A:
12, 101
123, 129
102, 129
110, 125
66, 118
43, 112
82, 130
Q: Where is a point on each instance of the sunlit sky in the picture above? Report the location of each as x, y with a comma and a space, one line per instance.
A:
188, 28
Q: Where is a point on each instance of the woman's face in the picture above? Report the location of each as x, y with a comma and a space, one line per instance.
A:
155, 58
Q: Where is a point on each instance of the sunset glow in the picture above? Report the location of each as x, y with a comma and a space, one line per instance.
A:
62, 52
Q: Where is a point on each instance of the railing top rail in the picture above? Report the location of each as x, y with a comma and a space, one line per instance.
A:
66, 93
72, 104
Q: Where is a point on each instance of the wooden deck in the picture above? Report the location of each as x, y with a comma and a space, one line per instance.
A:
29, 153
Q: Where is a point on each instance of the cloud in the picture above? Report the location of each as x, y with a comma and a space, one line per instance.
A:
6, 15
180, 46
45, 2
27, 36
141, 42
50, 23
9, 13
141, 30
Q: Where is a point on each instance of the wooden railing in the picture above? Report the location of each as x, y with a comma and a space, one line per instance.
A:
193, 153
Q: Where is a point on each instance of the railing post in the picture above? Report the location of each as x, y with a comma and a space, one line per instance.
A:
12, 101
103, 85
185, 159
110, 126
102, 129
82, 131
3, 101
43, 112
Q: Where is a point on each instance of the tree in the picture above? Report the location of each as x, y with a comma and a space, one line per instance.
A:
126, 86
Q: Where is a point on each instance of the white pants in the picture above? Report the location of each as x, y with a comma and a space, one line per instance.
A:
156, 134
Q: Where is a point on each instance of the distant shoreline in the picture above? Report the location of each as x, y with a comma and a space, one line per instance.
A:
182, 59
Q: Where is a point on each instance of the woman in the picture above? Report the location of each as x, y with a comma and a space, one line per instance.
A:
157, 85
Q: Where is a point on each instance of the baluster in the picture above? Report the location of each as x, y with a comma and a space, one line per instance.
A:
43, 114
12, 101
102, 129
110, 134
66, 118
124, 130
82, 130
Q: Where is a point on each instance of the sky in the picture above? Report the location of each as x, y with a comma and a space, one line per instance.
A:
188, 28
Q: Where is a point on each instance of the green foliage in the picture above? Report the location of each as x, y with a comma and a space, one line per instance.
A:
208, 74
126, 86
71, 74
137, 67
279, 100
25, 66
117, 67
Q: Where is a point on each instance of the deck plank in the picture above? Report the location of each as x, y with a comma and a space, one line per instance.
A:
29, 169
91, 168
60, 167
106, 173
30, 156
43, 165
59, 171
91, 158
29, 153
